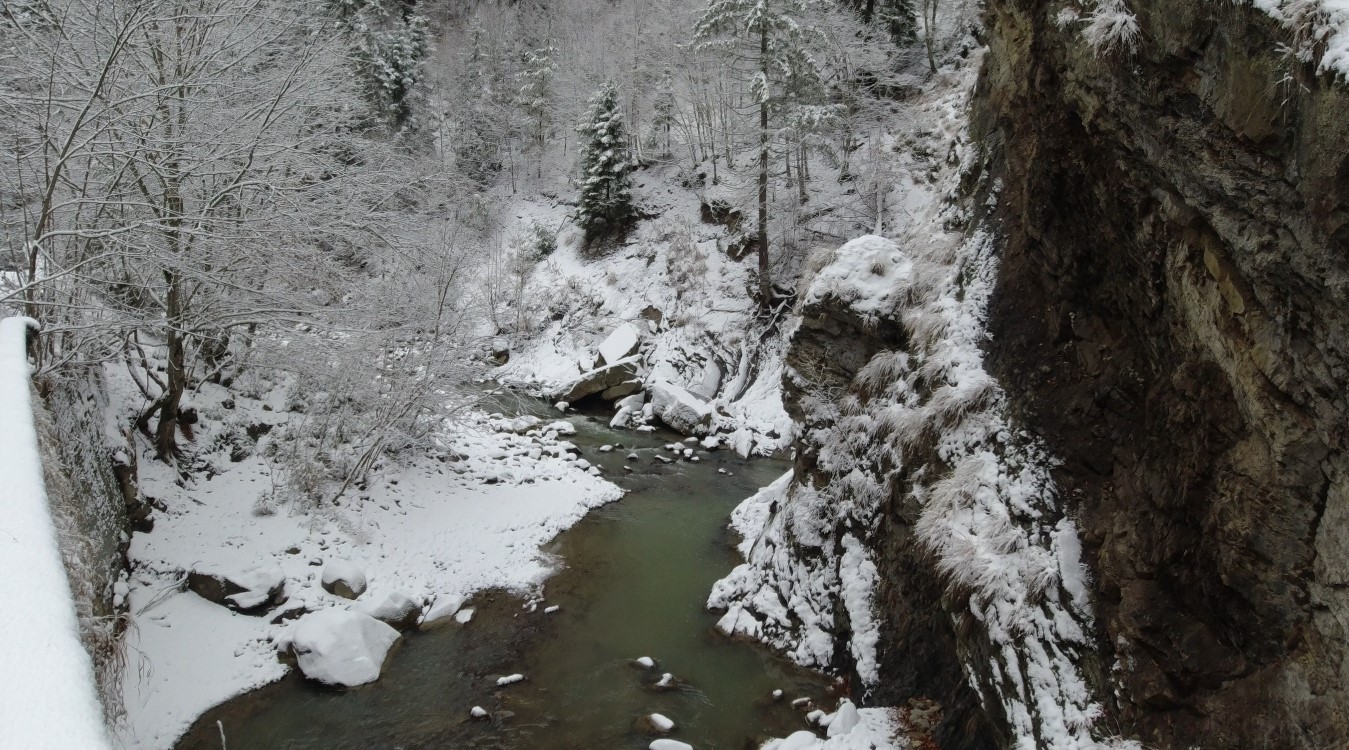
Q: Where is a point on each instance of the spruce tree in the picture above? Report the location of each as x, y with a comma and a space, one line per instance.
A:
605, 204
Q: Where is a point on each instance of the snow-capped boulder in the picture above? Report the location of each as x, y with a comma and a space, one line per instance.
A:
250, 591
802, 740
654, 724
342, 646
620, 345
602, 379
679, 409
442, 609
342, 578
394, 609
844, 719
479, 714
667, 744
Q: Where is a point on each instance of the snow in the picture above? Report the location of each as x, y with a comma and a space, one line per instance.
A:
464, 615
850, 728
868, 274
393, 606
645, 662
510, 679
1322, 24
661, 722
620, 344
478, 712
47, 699
667, 744
342, 647
345, 572
439, 534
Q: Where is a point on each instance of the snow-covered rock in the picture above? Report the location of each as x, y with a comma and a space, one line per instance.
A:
561, 427
479, 713
510, 679
620, 344
844, 719
802, 740
342, 578
645, 662
464, 615
249, 591
342, 646
661, 722
394, 609
667, 744
443, 608
601, 379
680, 410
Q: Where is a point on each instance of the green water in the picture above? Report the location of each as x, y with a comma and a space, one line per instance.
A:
636, 578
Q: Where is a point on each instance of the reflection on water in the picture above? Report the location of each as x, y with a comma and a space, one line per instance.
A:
637, 575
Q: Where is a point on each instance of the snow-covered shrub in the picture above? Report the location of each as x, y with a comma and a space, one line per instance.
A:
1111, 27
1320, 31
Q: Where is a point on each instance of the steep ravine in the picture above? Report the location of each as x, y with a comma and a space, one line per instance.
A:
1171, 320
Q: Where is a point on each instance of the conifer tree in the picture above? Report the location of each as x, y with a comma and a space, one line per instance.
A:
605, 204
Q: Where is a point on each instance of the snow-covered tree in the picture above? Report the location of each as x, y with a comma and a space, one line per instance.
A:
536, 96
605, 204
665, 113
775, 37
390, 47
185, 169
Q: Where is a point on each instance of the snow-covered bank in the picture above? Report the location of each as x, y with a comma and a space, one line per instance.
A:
47, 696
435, 531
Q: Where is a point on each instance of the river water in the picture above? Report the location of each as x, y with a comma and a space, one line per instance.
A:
637, 573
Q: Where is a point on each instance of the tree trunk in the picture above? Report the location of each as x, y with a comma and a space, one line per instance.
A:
765, 282
166, 432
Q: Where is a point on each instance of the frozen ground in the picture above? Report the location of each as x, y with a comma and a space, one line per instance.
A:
434, 531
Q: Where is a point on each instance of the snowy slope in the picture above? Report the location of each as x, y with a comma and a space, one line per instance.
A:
674, 282
47, 697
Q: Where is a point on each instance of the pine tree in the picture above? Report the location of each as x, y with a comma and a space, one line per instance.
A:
605, 204
390, 46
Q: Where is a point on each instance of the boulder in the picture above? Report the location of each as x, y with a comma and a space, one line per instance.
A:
653, 724
343, 579
620, 345
679, 409
394, 609
601, 379
250, 591
342, 647
621, 390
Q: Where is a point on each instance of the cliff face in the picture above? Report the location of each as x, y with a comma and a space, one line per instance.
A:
1171, 318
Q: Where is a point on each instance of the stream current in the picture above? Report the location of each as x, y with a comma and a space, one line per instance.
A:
634, 581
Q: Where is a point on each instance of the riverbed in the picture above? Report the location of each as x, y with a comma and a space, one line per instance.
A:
634, 578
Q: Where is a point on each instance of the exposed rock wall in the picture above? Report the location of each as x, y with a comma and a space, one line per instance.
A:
1172, 319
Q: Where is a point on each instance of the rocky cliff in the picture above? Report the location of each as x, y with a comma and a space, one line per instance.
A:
1082, 430
1171, 320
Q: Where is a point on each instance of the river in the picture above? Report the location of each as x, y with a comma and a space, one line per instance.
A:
635, 576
